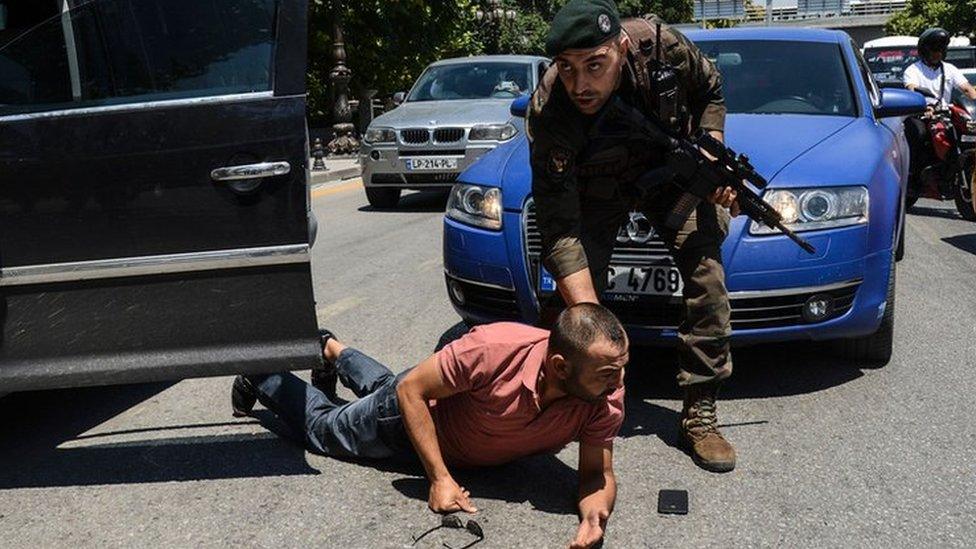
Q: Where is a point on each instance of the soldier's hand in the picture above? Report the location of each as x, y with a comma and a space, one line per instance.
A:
726, 198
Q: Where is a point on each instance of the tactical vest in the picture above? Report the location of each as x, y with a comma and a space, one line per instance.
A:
645, 51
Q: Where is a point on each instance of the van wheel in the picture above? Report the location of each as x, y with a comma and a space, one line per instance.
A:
382, 198
873, 351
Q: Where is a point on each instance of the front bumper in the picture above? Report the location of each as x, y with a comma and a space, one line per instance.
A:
498, 282
385, 165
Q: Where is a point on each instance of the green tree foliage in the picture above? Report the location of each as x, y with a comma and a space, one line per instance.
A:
527, 34
389, 42
955, 16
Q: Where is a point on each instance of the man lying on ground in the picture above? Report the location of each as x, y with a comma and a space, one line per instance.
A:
501, 392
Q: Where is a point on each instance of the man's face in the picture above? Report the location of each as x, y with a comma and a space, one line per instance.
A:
933, 58
591, 75
600, 373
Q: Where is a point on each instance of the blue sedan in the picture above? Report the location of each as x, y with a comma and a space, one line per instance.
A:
803, 106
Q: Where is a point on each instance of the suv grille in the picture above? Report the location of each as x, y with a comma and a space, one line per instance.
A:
749, 310
416, 136
448, 135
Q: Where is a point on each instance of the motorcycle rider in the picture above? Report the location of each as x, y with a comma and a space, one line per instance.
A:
933, 73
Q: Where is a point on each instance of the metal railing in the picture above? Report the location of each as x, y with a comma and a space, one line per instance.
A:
803, 10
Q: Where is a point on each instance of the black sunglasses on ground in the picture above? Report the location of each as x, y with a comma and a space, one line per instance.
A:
453, 521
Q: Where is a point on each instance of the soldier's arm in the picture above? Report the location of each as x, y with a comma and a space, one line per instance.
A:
557, 202
705, 98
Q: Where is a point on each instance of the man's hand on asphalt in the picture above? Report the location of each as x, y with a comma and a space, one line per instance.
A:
590, 531
447, 497
727, 198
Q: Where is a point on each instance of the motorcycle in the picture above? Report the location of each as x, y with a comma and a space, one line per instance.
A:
949, 174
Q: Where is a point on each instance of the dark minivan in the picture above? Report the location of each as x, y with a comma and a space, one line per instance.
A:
154, 201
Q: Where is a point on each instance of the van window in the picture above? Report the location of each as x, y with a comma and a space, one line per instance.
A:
963, 58
126, 51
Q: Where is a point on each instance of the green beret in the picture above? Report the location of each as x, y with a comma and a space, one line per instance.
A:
583, 24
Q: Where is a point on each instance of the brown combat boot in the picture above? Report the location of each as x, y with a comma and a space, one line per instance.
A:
700, 434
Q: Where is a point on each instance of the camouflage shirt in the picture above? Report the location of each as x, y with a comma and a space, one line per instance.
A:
570, 169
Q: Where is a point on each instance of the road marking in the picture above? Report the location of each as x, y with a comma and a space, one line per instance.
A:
340, 306
326, 191
430, 264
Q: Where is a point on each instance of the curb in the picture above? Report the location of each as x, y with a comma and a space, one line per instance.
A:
335, 176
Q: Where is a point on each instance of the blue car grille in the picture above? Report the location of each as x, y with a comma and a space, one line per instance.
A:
750, 310
651, 252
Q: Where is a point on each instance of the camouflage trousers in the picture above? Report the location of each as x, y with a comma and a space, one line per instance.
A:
705, 330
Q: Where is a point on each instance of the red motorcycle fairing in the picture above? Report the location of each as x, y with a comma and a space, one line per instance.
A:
941, 140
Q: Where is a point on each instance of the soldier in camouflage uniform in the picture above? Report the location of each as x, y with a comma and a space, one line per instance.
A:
583, 191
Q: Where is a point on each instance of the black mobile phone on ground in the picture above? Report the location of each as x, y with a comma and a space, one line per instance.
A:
672, 502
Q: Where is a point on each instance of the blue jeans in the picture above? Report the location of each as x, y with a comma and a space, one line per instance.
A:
370, 427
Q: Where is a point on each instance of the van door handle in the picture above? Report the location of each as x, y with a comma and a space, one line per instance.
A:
250, 171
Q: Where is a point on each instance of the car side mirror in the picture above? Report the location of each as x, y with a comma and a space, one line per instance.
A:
926, 92
895, 102
520, 106
398, 97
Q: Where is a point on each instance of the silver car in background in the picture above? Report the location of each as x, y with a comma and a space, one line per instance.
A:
456, 111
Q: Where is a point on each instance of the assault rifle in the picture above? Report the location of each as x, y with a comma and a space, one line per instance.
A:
690, 168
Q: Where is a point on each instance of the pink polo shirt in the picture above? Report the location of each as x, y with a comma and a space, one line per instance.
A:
495, 418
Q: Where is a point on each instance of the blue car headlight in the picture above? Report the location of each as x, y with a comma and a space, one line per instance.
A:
816, 208
474, 205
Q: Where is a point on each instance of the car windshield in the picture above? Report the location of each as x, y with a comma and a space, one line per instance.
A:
780, 77
889, 63
484, 80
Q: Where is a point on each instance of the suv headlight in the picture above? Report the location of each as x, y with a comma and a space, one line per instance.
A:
474, 205
819, 208
493, 132
380, 135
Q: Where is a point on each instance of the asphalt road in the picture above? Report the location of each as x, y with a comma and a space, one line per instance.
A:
829, 454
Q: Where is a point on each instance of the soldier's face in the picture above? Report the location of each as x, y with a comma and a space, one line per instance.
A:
590, 76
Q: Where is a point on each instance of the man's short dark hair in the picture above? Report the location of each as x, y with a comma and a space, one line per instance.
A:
581, 325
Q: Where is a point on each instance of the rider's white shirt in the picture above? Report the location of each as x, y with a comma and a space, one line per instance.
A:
923, 76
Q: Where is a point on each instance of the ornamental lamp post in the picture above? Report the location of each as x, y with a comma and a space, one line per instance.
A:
344, 141
495, 15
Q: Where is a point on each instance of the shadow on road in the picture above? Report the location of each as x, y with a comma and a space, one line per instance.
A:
419, 202
945, 213
965, 242
43, 445
774, 370
544, 481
